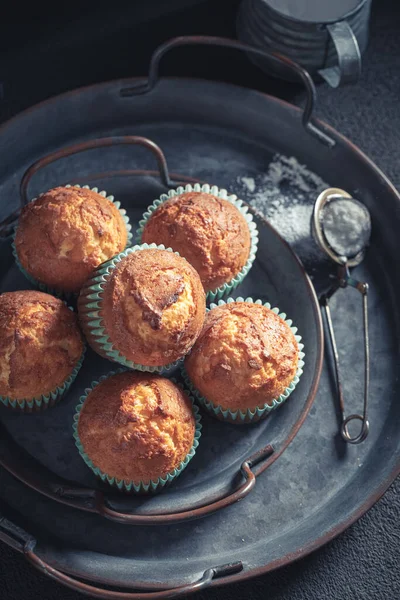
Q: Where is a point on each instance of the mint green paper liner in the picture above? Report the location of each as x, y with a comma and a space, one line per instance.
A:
55, 291
142, 487
240, 417
226, 288
29, 405
89, 306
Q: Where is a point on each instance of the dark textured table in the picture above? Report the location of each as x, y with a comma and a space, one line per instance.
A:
65, 50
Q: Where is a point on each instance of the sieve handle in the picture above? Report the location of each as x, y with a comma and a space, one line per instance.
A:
345, 280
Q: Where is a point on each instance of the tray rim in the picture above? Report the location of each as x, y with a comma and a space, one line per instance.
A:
395, 472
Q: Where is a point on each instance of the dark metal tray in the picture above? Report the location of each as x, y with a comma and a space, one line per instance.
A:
216, 133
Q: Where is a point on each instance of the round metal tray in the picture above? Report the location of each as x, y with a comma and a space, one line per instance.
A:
212, 132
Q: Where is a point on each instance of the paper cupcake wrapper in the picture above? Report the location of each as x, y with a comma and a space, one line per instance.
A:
141, 487
43, 402
55, 291
250, 415
90, 304
226, 288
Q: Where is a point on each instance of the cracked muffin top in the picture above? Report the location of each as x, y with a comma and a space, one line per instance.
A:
66, 233
210, 232
245, 356
136, 426
153, 307
40, 344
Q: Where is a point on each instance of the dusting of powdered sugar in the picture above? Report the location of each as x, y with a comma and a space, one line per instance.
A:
285, 195
250, 183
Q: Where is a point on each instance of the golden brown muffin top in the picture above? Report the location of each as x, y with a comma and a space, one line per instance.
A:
40, 344
153, 307
245, 356
66, 233
208, 231
136, 426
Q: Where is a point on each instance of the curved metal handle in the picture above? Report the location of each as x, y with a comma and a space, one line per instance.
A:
344, 430
90, 145
22, 541
7, 224
177, 517
14, 536
303, 75
91, 590
348, 53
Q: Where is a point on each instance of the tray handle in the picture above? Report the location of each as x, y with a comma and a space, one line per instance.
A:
102, 508
200, 40
14, 536
7, 225
23, 542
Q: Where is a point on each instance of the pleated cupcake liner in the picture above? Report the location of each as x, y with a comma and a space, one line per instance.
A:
43, 402
90, 306
240, 417
141, 487
227, 287
55, 291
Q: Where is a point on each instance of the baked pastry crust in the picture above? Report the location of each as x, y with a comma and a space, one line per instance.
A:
66, 233
208, 231
245, 356
137, 426
153, 307
40, 344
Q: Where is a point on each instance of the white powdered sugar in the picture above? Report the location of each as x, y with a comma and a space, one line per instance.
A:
250, 183
285, 196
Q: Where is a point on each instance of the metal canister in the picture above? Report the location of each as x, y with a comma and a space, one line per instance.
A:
327, 38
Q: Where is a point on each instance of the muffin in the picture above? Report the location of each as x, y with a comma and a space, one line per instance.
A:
136, 430
213, 231
244, 360
144, 309
66, 233
41, 349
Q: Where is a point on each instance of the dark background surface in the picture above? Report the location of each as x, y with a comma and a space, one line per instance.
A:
46, 52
